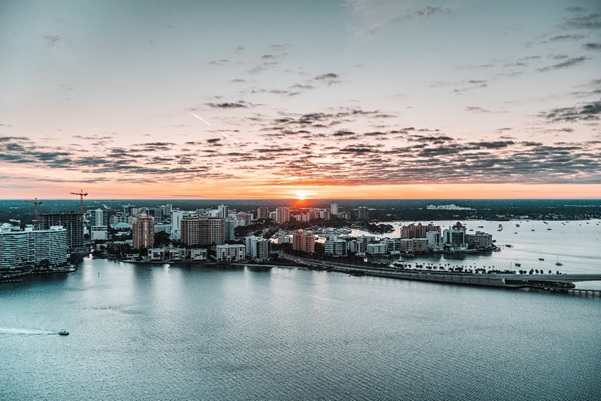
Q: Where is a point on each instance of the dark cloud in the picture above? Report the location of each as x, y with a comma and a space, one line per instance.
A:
587, 112
218, 62
433, 10
302, 86
330, 78
51, 40
565, 64
590, 21
344, 133
476, 109
592, 46
557, 38
233, 105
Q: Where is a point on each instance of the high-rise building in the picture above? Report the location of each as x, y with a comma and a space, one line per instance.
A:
334, 209
176, 218
324, 214
262, 212
362, 213
72, 222
303, 241
417, 231
30, 248
202, 230
282, 214
223, 210
455, 236
257, 248
143, 231
434, 240
98, 225
479, 240
243, 218
229, 227
344, 215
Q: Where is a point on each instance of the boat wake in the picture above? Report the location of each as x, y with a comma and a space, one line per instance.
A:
7, 331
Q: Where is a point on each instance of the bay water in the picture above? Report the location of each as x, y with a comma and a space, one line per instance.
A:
171, 332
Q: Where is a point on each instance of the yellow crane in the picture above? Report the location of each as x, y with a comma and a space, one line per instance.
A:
81, 195
35, 204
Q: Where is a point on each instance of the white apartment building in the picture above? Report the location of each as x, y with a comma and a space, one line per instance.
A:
29, 248
230, 253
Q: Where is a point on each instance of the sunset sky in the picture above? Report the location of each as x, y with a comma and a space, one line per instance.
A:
288, 99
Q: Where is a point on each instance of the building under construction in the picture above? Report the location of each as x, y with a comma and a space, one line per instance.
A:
72, 222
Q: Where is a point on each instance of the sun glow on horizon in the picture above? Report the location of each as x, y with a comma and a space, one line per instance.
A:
303, 195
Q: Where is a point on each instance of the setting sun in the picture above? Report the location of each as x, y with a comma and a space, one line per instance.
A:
303, 195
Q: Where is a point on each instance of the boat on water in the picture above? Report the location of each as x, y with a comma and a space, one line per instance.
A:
63, 332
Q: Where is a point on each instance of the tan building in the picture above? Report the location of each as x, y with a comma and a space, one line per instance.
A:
143, 231
282, 214
202, 230
417, 231
303, 241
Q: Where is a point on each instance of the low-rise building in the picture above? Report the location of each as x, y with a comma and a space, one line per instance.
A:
376, 249
335, 247
414, 245
479, 240
230, 253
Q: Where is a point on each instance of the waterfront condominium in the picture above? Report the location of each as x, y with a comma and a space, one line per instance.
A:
202, 231
27, 248
143, 231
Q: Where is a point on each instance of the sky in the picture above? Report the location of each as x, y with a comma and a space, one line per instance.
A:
300, 99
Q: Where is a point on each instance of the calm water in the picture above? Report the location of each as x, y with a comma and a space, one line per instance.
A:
187, 333
576, 244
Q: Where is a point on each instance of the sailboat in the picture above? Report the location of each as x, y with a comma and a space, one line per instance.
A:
541, 257
558, 263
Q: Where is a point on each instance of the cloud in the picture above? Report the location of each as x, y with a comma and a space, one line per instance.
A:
477, 109
230, 105
373, 15
51, 40
430, 11
592, 46
590, 21
564, 64
557, 38
330, 78
218, 62
587, 112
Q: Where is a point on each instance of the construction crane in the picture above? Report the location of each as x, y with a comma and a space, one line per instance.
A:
35, 204
81, 194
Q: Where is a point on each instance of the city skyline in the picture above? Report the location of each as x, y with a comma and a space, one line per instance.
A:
266, 99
